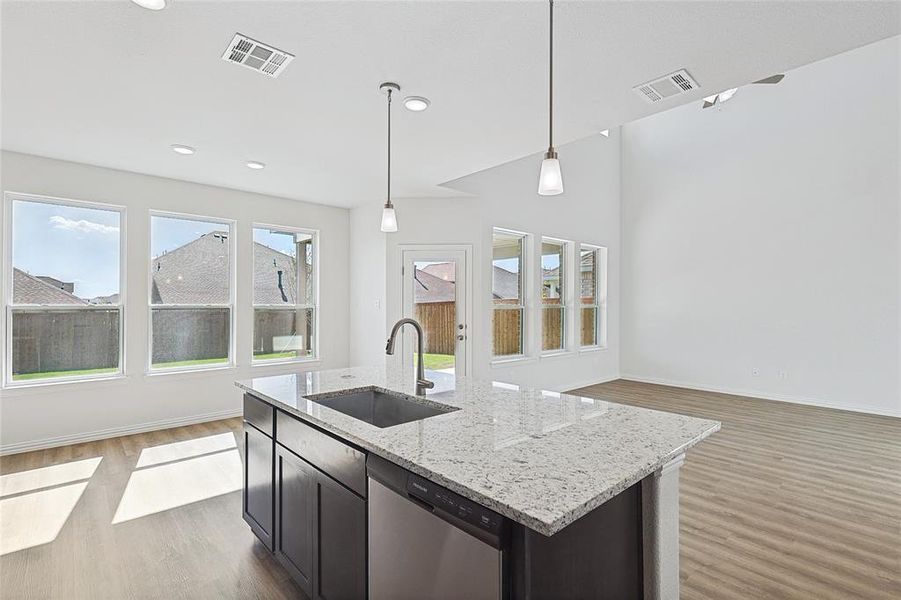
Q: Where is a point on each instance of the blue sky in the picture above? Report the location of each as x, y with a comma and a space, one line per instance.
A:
80, 245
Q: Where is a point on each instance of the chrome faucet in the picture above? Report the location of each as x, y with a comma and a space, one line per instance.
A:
422, 384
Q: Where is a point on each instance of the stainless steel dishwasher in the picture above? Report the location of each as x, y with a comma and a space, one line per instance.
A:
429, 543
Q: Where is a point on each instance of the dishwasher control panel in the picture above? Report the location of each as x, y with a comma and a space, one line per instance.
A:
453, 504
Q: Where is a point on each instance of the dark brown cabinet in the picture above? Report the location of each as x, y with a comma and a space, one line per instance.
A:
294, 516
339, 561
258, 490
320, 530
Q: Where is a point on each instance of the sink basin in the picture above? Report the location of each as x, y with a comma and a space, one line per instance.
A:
381, 408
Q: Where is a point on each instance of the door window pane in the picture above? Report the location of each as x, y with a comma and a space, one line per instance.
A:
435, 307
65, 256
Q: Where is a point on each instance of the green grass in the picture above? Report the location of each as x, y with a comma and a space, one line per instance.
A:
437, 361
190, 363
73, 373
276, 355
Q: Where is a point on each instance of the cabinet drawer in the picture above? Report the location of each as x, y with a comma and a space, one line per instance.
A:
259, 414
343, 463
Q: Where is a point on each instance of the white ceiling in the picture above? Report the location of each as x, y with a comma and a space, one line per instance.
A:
111, 84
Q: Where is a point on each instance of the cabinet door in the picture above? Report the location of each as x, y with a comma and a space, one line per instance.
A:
257, 500
340, 556
295, 510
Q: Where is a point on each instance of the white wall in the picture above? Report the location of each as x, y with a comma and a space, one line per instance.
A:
68, 412
505, 196
765, 235
367, 287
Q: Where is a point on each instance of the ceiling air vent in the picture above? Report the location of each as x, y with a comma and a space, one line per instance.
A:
664, 87
257, 56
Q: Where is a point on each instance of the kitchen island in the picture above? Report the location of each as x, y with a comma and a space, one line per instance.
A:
577, 496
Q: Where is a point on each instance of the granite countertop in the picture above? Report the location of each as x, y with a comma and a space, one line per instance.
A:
541, 458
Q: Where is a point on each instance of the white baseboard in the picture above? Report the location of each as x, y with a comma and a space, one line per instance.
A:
870, 410
112, 432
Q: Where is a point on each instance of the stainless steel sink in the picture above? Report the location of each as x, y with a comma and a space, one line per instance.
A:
381, 408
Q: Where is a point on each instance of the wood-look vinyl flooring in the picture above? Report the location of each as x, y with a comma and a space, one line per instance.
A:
786, 502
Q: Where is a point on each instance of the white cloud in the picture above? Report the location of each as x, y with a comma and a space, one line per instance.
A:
81, 225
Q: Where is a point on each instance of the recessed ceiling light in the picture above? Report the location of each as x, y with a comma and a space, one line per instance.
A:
416, 103
252, 164
182, 149
151, 4
606, 133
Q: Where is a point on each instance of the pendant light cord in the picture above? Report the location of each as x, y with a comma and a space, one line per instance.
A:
388, 203
550, 133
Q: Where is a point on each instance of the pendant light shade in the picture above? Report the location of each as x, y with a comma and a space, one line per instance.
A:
550, 179
389, 219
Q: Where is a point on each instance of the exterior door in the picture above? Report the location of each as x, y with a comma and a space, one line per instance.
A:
435, 284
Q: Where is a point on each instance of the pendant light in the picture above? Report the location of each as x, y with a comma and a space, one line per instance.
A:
389, 217
550, 179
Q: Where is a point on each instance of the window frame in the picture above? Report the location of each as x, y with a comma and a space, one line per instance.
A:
566, 300
232, 285
524, 296
8, 306
600, 297
314, 233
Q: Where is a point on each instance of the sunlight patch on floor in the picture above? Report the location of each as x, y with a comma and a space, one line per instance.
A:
35, 479
36, 504
163, 487
187, 449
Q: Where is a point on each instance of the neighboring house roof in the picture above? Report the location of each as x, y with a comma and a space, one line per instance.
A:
28, 289
266, 265
446, 271
111, 299
505, 284
429, 289
197, 273
57, 283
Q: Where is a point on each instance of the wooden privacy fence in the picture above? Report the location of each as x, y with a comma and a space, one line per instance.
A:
439, 324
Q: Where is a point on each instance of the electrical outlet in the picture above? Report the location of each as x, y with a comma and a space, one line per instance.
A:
783, 374
755, 372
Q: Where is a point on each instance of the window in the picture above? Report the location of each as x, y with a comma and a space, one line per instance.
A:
191, 297
64, 302
284, 294
553, 295
508, 306
592, 283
